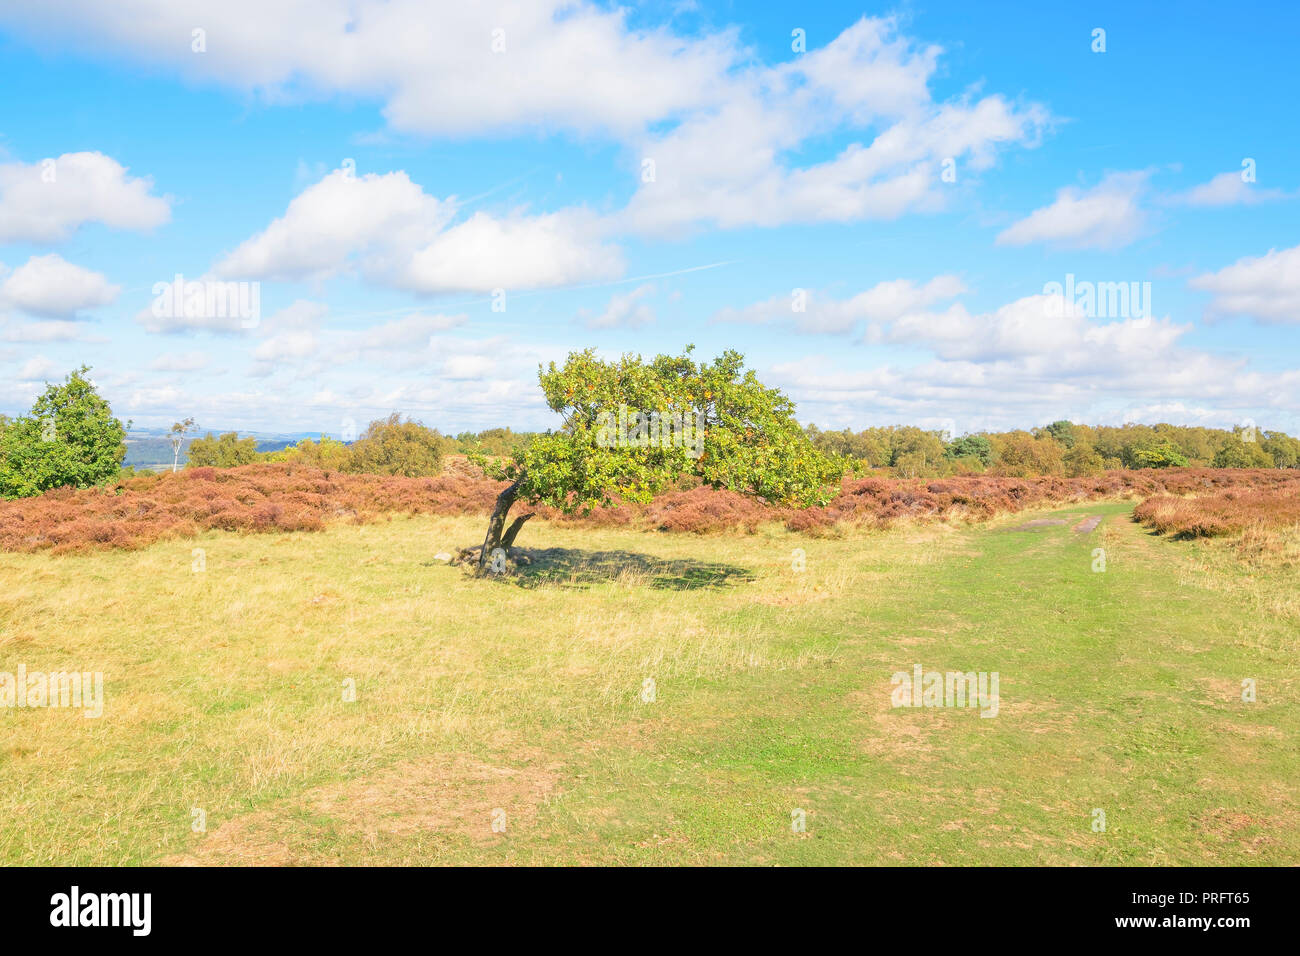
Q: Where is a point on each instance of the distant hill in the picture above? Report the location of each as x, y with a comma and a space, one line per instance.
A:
151, 448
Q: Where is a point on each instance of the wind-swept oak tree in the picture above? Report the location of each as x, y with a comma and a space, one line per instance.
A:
616, 441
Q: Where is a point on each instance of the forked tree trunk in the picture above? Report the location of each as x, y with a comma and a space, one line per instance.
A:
508, 539
497, 536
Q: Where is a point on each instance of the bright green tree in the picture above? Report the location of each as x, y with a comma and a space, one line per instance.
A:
632, 427
1157, 453
70, 438
1282, 448
1236, 453
914, 451
227, 451
328, 454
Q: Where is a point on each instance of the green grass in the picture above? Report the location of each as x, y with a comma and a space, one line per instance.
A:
1120, 691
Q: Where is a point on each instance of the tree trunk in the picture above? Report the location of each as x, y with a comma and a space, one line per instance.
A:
508, 539
498, 522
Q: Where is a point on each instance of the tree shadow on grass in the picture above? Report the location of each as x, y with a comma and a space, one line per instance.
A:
578, 568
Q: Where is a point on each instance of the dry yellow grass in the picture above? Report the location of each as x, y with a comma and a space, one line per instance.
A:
225, 695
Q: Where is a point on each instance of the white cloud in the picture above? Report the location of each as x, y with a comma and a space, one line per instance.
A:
624, 311
53, 330
395, 234
485, 253
204, 304
287, 346
180, 362
409, 332
1180, 412
51, 287
1228, 189
38, 369
1030, 361
563, 63
1265, 287
341, 217
720, 127
883, 302
1108, 216
461, 367
296, 341
48, 201
726, 164
1036, 326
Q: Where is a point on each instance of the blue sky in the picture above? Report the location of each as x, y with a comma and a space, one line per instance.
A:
874, 220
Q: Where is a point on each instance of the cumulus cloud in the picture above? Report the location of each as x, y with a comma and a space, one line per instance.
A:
485, 253
38, 369
1108, 216
1031, 360
453, 383
1037, 325
48, 201
719, 127
51, 287
1228, 189
1264, 287
448, 68
296, 341
727, 165
180, 362
392, 232
814, 312
205, 304
626, 310
342, 217
53, 330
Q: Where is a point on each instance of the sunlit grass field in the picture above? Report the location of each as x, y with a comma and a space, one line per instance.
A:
632, 697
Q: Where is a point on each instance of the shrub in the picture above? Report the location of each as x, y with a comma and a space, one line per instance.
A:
263, 498
1230, 511
393, 447
70, 438
226, 451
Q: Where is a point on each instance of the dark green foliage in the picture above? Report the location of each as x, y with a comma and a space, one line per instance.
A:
971, 446
70, 438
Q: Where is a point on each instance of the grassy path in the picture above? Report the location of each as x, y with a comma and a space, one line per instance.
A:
1120, 691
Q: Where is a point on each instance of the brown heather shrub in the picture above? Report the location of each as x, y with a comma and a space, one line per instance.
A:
702, 509
263, 497
1232, 511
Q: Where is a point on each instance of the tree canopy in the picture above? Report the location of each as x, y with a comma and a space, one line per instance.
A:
70, 438
632, 427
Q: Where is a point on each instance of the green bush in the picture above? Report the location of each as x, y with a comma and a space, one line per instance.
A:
391, 446
226, 451
70, 438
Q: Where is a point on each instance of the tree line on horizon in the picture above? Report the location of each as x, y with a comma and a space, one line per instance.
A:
1062, 448
71, 437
